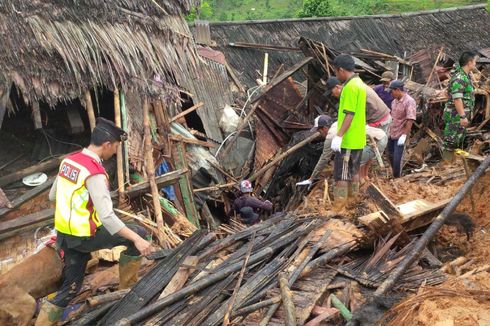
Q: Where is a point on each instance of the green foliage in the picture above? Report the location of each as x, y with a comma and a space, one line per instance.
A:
221, 10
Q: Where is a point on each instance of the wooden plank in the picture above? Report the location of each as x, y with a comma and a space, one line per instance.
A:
233, 76
415, 214
41, 167
394, 216
161, 181
189, 110
26, 220
179, 279
28, 195
180, 162
192, 141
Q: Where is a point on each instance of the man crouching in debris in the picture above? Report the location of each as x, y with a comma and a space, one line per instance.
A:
350, 138
85, 221
323, 124
458, 107
403, 112
247, 206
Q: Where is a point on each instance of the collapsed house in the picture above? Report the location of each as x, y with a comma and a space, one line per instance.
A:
206, 107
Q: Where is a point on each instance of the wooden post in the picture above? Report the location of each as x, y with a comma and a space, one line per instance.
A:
150, 166
180, 162
90, 109
125, 145
4, 97
120, 168
36, 116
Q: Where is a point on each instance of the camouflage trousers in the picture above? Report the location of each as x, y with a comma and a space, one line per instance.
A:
454, 133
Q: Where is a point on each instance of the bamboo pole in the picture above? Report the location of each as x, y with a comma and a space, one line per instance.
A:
108, 297
283, 155
226, 319
287, 300
124, 118
120, 166
90, 109
150, 165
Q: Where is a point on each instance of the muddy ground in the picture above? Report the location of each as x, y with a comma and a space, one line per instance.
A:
441, 309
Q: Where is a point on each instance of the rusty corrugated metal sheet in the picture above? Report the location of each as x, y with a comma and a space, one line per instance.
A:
271, 135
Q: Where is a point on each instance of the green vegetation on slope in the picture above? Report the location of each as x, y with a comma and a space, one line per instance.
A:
232, 10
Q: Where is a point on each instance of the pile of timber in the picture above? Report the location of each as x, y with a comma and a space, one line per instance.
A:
275, 272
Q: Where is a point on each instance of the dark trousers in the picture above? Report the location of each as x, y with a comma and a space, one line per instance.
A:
77, 254
395, 155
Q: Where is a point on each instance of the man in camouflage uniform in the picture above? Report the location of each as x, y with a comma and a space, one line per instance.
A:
458, 107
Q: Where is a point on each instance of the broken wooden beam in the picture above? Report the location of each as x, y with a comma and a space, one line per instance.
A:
234, 77
192, 141
283, 155
41, 167
180, 278
186, 112
27, 196
27, 220
430, 233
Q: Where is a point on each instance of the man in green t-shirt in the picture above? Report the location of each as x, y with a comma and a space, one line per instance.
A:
351, 131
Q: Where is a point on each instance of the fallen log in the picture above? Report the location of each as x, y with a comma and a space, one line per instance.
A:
431, 232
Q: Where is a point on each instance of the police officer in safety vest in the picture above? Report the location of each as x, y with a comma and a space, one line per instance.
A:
85, 220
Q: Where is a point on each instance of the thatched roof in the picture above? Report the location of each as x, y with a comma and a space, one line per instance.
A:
55, 50
456, 29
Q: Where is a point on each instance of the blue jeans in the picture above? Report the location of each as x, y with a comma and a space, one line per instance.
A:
395, 154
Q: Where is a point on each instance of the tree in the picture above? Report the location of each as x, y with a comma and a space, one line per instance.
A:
316, 8
204, 11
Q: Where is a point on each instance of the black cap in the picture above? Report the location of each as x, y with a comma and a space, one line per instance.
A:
331, 83
322, 121
109, 128
396, 84
345, 62
248, 215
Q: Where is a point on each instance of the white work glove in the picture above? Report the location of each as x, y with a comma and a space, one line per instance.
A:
304, 183
401, 140
336, 143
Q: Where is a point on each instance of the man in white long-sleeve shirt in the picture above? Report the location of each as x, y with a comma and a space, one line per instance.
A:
85, 220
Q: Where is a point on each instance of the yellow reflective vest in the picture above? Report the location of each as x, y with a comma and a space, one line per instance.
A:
75, 213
